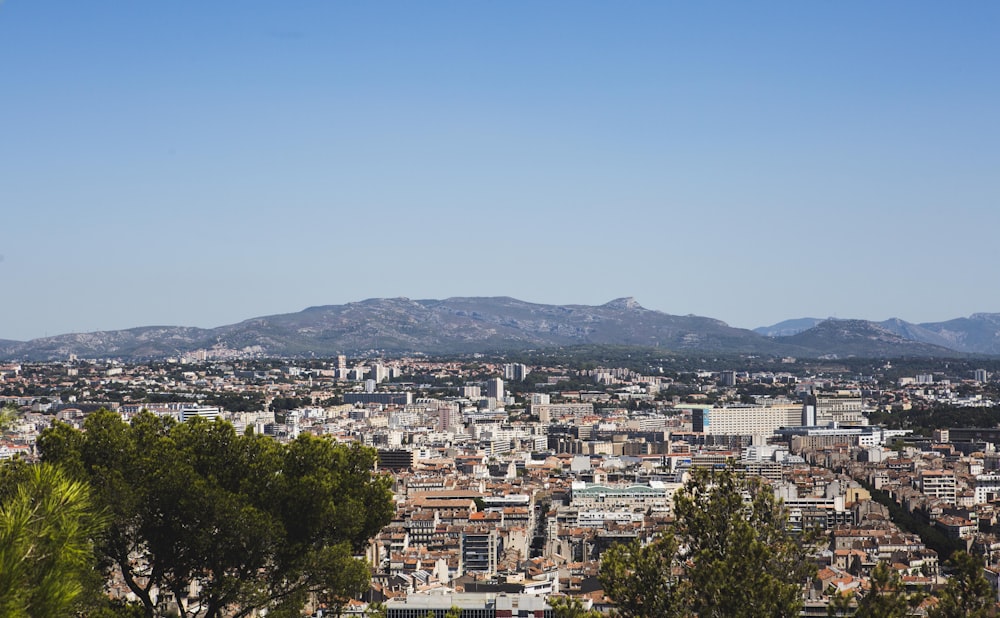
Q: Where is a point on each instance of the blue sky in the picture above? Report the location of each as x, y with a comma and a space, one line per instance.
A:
201, 163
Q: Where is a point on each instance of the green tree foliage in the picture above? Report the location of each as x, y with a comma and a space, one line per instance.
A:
47, 522
643, 579
258, 525
729, 555
886, 597
283, 404
571, 607
8, 414
925, 419
841, 603
236, 401
967, 594
375, 610
744, 560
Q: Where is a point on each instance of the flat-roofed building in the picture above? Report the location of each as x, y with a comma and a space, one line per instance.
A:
548, 411
401, 399
838, 410
657, 496
987, 488
746, 419
938, 484
470, 604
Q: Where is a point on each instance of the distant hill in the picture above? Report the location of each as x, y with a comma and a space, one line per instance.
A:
787, 327
976, 334
916, 332
862, 338
498, 324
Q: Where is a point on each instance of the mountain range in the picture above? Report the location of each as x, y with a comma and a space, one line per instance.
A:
498, 324
976, 334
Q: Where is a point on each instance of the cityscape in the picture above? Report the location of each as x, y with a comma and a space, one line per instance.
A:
499, 309
510, 481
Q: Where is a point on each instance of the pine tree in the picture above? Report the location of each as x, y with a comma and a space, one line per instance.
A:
886, 597
729, 554
967, 594
47, 523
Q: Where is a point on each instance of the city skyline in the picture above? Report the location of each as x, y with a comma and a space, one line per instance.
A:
202, 165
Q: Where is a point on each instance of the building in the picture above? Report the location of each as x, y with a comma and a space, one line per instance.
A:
987, 488
515, 372
540, 399
938, 484
746, 419
471, 604
395, 459
378, 372
401, 399
818, 437
835, 409
207, 412
656, 496
548, 411
481, 549
494, 388
449, 416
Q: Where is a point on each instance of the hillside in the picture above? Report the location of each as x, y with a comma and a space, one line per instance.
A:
843, 338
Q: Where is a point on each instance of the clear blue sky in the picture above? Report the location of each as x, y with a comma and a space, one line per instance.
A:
199, 163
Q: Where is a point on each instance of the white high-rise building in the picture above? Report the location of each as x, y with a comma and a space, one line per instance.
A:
515, 371
378, 372
494, 388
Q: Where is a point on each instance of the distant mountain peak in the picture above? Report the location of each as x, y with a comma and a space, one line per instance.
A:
626, 302
990, 317
788, 327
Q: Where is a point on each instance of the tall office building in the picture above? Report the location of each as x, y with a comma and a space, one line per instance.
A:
378, 372
809, 412
449, 416
494, 388
515, 371
480, 550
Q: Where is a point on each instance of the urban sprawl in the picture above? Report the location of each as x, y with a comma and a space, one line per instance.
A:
511, 480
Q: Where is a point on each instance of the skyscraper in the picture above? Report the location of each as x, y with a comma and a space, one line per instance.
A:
494, 388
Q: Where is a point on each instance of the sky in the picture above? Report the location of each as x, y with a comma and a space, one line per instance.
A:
200, 163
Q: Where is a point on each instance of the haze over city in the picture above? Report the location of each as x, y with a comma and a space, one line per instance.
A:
199, 164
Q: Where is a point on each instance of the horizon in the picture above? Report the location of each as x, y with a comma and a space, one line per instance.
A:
199, 165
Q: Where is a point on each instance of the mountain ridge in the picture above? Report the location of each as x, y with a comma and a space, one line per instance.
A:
460, 325
977, 334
